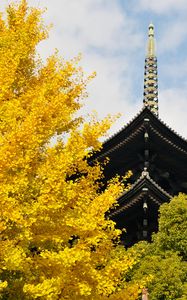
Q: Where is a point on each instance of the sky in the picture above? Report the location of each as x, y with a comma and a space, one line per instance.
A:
111, 35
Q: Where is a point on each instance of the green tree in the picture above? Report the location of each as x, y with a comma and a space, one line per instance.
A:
172, 234
164, 260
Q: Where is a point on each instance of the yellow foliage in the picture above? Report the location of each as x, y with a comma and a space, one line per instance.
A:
3, 285
55, 242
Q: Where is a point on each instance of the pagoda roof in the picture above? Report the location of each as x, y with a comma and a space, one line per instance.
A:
136, 126
126, 151
144, 185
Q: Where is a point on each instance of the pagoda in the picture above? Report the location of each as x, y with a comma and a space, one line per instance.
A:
156, 155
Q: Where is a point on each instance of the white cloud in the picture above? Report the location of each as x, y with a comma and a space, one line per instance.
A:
176, 71
85, 24
110, 38
107, 37
173, 108
173, 35
163, 6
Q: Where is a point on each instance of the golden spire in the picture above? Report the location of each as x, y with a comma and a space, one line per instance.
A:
151, 41
150, 75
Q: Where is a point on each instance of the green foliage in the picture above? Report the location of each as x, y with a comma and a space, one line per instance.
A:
172, 233
168, 274
164, 260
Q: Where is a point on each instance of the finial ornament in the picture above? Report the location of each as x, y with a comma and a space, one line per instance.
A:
151, 42
151, 29
150, 75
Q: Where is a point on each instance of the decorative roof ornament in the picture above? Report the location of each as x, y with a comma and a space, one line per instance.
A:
150, 75
145, 173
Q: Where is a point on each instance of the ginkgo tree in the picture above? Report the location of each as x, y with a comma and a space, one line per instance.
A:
55, 242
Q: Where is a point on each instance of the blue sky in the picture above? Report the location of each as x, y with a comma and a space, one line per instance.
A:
112, 35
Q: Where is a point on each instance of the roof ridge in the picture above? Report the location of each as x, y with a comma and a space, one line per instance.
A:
172, 130
145, 174
126, 125
134, 118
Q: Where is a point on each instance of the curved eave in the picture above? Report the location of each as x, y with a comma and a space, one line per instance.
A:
145, 185
135, 127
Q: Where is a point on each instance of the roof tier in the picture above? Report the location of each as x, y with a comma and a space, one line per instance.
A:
148, 142
137, 209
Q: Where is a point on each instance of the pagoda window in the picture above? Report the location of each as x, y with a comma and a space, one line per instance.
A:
144, 233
